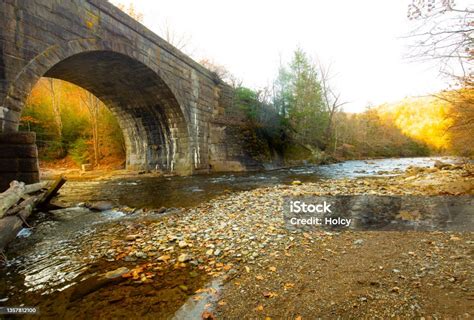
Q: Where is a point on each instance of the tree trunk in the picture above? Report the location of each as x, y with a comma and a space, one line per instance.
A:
11, 225
16, 191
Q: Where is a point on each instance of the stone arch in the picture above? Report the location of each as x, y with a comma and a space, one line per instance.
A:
132, 84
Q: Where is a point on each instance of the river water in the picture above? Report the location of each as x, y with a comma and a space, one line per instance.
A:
56, 251
156, 192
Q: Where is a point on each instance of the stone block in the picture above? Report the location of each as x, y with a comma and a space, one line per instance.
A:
18, 138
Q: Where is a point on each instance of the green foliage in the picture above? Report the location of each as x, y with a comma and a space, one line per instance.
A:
74, 126
247, 100
79, 151
299, 99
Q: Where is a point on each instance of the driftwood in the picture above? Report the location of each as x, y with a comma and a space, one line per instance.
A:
11, 225
52, 191
16, 192
14, 212
11, 196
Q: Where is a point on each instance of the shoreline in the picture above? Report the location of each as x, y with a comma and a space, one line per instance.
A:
269, 271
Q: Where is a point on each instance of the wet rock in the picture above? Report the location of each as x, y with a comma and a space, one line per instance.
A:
161, 210
101, 205
141, 255
90, 285
130, 259
414, 170
116, 273
442, 165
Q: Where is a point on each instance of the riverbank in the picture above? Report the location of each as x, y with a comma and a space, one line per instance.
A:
240, 239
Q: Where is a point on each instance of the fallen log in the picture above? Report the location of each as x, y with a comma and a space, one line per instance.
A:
17, 191
11, 225
31, 188
52, 191
11, 196
12, 219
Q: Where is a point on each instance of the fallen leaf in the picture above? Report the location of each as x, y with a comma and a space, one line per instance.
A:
269, 294
288, 285
207, 315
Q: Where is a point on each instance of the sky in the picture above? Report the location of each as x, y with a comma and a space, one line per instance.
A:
362, 41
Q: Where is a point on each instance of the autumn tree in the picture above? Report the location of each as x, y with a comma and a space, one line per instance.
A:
93, 104
444, 34
54, 88
131, 11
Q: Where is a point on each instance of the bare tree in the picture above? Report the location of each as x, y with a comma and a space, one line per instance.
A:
179, 40
221, 72
332, 100
56, 104
131, 11
445, 34
93, 105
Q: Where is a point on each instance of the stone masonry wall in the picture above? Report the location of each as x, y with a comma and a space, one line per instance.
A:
170, 108
18, 158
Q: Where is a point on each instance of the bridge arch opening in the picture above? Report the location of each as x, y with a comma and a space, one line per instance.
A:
153, 124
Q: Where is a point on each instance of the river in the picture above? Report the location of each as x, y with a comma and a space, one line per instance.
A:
56, 251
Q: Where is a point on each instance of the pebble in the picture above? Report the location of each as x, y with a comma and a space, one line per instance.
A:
184, 257
132, 237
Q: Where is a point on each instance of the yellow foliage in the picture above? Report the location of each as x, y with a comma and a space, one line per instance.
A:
424, 119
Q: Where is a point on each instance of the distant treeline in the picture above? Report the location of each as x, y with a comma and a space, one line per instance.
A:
301, 111
299, 118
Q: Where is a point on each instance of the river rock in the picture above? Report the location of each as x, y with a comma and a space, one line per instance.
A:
116, 273
132, 237
184, 257
101, 205
442, 165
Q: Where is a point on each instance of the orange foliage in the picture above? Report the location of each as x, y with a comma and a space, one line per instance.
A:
424, 119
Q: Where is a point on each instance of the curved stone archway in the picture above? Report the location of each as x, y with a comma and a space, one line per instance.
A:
149, 114
176, 115
153, 122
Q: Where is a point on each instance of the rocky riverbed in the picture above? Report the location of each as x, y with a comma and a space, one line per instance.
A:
148, 268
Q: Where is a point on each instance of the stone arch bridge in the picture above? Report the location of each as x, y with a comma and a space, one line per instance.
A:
175, 114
